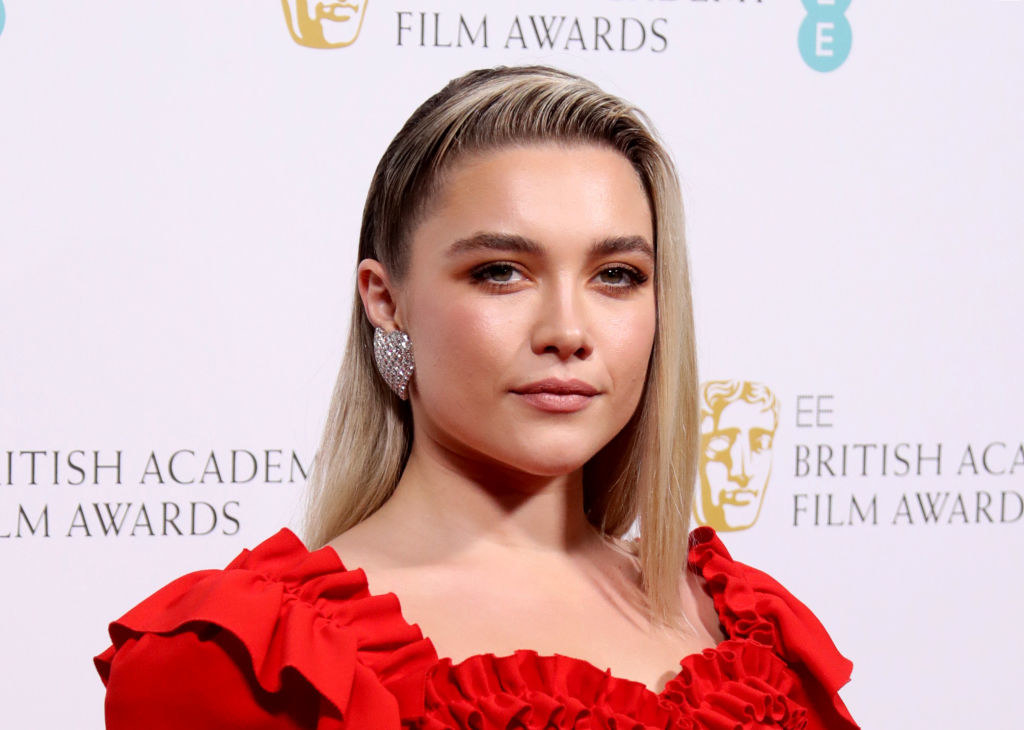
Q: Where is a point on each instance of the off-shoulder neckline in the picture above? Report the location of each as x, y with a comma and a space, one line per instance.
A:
702, 535
304, 611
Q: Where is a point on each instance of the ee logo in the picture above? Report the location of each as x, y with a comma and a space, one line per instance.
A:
825, 35
3, 16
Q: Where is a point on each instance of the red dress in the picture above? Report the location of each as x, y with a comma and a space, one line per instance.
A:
288, 638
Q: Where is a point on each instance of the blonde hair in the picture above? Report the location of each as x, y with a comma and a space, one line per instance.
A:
648, 469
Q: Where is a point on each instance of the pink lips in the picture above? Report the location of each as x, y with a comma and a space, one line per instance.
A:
557, 396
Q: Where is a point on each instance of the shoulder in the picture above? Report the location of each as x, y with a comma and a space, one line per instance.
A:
276, 626
754, 606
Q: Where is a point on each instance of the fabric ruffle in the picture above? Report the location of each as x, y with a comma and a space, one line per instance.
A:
526, 690
752, 605
770, 673
303, 613
294, 611
738, 685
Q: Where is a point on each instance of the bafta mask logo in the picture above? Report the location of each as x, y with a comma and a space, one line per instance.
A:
324, 24
738, 422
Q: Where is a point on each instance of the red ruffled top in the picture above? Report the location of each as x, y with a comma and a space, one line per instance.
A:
288, 638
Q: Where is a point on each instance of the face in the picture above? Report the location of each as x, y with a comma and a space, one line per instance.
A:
736, 462
324, 24
529, 300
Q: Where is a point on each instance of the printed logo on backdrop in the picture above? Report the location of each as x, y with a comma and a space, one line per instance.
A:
185, 492
839, 482
534, 32
825, 35
3, 16
609, 30
338, 24
827, 480
325, 24
738, 420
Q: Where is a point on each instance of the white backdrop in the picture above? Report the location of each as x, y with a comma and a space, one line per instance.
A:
180, 191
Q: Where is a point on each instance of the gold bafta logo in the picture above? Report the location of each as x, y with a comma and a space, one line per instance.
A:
738, 423
324, 24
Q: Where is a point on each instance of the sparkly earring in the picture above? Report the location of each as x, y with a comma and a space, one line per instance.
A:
393, 353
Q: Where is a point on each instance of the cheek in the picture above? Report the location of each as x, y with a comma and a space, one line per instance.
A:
626, 337
716, 471
460, 348
762, 464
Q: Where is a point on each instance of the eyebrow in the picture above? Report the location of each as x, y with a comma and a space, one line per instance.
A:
520, 244
623, 244
494, 242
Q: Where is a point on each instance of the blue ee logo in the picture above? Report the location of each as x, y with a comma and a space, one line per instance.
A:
3, 17
825, 35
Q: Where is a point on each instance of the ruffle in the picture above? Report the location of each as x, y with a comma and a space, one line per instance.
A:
527, 690
778, 669
294, 611
753, 606
303, 613
739, 685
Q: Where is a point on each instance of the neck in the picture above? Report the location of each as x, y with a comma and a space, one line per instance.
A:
449, 504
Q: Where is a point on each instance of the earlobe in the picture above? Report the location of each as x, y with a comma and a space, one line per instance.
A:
377, 294
392, 349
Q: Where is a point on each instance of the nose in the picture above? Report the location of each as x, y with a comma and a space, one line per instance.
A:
560, 326
738, 462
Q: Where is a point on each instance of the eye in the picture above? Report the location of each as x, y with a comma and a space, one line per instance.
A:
718, 446
499, 273
762, 442
621, 277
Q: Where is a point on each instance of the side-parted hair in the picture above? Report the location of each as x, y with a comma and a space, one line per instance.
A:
648, 470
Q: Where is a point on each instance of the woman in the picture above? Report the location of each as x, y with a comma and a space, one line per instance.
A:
519, 386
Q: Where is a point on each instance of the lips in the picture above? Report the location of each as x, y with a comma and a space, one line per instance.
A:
557, 396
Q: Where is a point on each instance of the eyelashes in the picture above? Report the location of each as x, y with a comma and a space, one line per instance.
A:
498, 272
504, 274
622, 276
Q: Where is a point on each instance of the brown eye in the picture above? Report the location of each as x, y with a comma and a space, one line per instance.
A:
620, 277
497, 273
501, 272
613, 276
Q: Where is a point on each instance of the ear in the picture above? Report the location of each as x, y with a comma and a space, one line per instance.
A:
378, 295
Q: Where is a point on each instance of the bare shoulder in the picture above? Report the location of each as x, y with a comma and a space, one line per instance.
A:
365, 546
392, 562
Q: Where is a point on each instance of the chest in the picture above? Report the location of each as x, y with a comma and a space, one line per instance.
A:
601, 624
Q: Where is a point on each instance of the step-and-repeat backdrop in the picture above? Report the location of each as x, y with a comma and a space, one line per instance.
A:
180, 192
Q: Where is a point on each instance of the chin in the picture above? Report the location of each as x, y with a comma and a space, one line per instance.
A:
550, 461
552, 468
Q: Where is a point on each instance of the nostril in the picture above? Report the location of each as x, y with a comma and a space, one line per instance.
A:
739, 477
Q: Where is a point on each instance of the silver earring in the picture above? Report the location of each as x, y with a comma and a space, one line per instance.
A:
393, 353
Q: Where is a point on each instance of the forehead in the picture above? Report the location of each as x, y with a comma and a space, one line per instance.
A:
548, 192
743, 415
